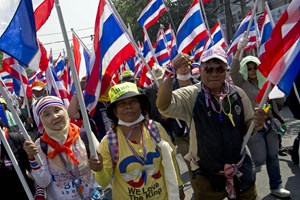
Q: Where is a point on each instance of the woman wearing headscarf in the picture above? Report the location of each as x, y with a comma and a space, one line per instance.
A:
65, 173
138, 156
263, 145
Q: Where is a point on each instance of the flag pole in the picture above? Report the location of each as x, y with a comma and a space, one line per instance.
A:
172, 23
81, 42
251, 127
150, 45
53, 81
164, 38
49, 69
86, 122
25, 99
296, 92
249, 26
132, 40
18, 120
257, 35
16, 165
269, 14
225, 39
205, 22
136, 52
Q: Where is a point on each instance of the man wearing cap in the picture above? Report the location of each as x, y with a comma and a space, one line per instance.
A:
219, 115
182, 64
39, 89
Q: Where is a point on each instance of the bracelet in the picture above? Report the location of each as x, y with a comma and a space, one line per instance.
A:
181, 186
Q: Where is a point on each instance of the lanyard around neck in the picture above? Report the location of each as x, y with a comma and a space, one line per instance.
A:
141, 160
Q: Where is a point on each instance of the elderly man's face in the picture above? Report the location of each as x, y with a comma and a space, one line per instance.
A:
213, 74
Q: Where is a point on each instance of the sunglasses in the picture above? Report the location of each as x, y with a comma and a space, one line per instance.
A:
220, 69
252, 68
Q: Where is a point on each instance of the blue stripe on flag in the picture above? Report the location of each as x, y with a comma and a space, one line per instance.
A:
286, 82
19, 38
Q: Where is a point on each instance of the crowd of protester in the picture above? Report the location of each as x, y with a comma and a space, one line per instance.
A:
200, 110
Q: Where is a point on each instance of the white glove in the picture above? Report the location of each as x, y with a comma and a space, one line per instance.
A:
243, 43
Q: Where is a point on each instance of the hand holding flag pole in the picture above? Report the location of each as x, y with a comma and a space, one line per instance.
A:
251, 127
86, 122
246, 34
18, 120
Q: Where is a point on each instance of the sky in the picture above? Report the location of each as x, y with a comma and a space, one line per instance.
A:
79, 15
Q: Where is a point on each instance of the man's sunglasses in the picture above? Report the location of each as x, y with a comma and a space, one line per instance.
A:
220, 69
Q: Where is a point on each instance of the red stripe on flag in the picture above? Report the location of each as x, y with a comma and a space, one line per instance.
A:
42, 13
262, 91
279, 44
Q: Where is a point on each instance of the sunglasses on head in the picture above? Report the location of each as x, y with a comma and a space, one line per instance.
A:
220, 69
252, 68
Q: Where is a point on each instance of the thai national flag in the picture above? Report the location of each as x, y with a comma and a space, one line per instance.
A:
151, 13
60, 65
168, 35
17, 30
240, 32
198, 50
191, 30
18, 72
145, 81
138, 65
161, 49
55, 86
39, 75
265, 33
129, 64
171, 42
217, 37
111, 49
280, 62
6, 80
81, 57
61, 70
42, 11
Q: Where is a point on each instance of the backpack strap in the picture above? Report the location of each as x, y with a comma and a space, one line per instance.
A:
153, 130
113, 146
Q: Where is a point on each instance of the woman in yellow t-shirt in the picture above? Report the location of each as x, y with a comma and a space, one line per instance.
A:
136, 156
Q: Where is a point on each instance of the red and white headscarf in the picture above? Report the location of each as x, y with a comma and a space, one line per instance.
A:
41, 105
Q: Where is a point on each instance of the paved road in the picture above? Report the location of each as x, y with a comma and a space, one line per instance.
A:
289, 171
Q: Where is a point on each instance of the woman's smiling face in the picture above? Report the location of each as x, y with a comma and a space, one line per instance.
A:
54, 118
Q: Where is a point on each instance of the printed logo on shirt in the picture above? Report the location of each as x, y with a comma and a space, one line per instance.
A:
136, 178
237, 109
